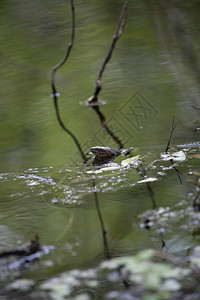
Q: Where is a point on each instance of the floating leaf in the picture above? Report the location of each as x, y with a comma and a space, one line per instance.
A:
104, 169
176, 156
126, 162
129, 161
151, 179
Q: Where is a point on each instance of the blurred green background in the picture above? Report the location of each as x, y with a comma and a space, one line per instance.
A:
153, 57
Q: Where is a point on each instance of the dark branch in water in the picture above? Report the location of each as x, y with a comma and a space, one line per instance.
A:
168, 147
170, 136
70, 45
104, 233
107, 129
179, 174
54, 91
93, 100
143, 175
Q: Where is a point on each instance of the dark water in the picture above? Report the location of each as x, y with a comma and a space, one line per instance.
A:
45, 187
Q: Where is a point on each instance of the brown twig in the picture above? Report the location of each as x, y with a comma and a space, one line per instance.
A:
168, 147
104, 233
170, 136
93, 100
105, 126
54, 91
143, 174
179, 174
70, 45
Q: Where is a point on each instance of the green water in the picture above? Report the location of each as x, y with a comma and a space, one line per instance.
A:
45, 187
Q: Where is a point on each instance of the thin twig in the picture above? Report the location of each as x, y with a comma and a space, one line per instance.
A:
93, 100
70, 45
168, 147
69, 132
55, 93
105, 126
143, 174
179, 174
104, 233
170, 136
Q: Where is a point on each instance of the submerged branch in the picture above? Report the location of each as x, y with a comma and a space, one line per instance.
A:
104, 233
69, 132
143, 175
93, 100
170, 136
63, 61
54, 91
179, 174
105, 126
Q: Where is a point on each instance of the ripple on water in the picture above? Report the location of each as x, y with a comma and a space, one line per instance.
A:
72, 184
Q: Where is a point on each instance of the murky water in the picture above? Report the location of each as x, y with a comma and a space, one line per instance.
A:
45, 187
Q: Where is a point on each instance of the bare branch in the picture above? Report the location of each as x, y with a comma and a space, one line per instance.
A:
104, 233
105, 126
54, 91
70, 45
93, 100
170, 136
179, 174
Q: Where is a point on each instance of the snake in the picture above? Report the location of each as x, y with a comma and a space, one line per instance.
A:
105, 155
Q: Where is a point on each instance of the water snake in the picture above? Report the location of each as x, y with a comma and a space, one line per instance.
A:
104, 155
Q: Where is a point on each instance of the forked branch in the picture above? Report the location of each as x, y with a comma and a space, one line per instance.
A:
63, 61
170, 136
179, 174
93, 100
